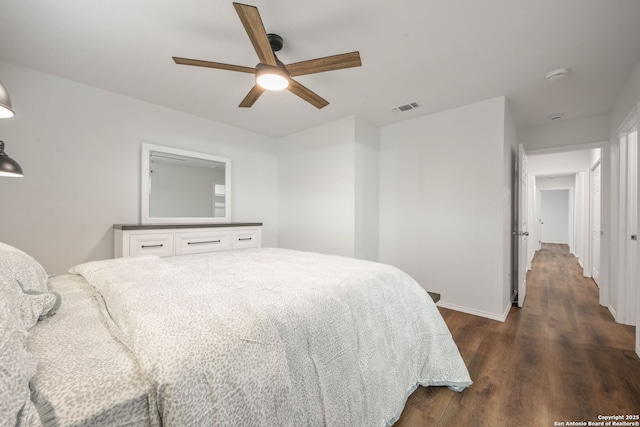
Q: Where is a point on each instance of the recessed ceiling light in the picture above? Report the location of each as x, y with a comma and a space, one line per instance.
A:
558, 74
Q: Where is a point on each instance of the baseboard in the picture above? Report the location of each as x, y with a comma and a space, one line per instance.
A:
612, 311
638, 351
507, 309
475, 312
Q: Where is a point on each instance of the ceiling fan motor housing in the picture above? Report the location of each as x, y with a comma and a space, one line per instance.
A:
275, 41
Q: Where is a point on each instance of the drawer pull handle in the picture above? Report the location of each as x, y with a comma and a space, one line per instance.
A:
152, 246
244, 238
200, 243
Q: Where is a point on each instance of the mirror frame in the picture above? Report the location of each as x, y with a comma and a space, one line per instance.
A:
145, 187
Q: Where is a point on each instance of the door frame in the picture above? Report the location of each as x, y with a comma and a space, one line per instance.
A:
522, 231
627, 278
590, 257
606, 192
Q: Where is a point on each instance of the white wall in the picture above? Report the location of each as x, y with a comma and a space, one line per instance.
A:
328, 189
442, 196
510, 208
565, 133
367, 146
316, 189
560, 163
555, 183
555, 216
80, 150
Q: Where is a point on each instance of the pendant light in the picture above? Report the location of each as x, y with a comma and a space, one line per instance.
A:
5, 104
8, 166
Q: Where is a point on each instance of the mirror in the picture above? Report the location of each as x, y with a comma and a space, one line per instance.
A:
180, 186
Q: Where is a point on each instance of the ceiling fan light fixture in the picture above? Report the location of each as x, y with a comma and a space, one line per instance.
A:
272, 81
271, 78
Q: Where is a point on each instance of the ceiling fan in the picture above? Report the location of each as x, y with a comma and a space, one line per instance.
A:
271, 73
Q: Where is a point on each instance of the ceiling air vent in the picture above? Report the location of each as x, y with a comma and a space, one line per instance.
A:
406, 107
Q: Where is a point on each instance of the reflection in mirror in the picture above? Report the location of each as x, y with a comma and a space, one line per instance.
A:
182, 186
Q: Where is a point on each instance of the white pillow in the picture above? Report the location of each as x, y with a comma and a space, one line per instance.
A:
23, 268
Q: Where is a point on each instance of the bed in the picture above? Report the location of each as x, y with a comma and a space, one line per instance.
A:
258, 337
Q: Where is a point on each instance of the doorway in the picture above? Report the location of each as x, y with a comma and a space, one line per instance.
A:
554, 216
570, 180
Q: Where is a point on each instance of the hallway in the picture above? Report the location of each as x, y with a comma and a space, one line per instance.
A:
561, 358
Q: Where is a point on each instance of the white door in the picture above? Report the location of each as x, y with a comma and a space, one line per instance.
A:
595, 224
523, 230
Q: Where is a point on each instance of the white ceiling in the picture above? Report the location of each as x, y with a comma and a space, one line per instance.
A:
441, 53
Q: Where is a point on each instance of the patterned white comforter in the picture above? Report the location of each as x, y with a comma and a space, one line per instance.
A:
275, 337
84, 376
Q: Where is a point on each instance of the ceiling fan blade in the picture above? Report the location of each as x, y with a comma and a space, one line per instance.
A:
252, 96
219, 65
306, 94
252, 22
328, 63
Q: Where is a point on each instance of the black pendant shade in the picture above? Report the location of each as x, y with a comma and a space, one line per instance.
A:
8, 166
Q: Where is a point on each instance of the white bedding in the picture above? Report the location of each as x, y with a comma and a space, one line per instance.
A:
84, 377
274, 337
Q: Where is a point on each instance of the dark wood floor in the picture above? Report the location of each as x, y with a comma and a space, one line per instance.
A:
560, 358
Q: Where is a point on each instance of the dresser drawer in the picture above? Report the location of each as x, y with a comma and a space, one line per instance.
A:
243, 239
160, 244
199, 242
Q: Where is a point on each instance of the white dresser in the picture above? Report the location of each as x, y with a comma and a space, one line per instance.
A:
181, 239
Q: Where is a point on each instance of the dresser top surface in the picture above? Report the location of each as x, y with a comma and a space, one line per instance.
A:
173, 226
